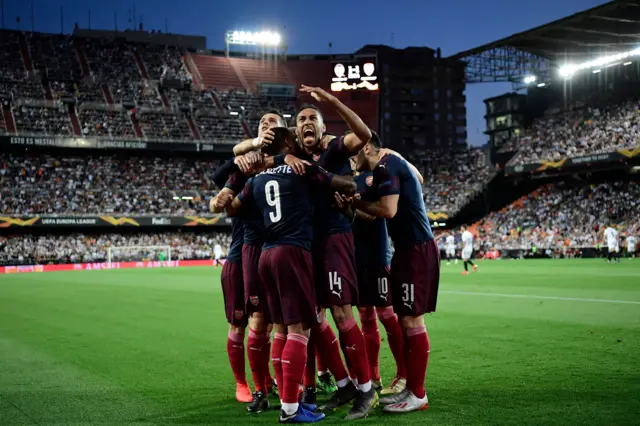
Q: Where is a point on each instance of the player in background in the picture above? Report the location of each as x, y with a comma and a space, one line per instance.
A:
334, 255
632, 240
467, 250
415, 266
450, 248
286, 268
217, 255
373, 263
613, 245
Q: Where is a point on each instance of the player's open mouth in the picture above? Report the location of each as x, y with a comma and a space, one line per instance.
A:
308, 133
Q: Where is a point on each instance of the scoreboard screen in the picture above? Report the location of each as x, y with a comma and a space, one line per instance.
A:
358, 74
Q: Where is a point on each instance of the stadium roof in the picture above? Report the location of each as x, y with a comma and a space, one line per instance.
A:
613, 27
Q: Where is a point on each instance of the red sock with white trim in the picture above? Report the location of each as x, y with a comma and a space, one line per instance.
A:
256, 347
417, 356
372, 340
279, 340
329, 350
352, 342
235, 350
294, 358
310, 367
395, 337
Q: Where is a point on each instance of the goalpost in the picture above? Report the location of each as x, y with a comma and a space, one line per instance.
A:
138, 254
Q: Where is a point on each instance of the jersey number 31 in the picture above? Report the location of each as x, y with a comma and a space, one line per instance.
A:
272, 194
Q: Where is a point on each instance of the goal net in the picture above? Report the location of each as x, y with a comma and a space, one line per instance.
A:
139, 254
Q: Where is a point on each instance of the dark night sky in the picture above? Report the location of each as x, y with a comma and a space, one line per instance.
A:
309, 26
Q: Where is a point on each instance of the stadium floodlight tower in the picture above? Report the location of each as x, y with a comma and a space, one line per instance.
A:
139, 254
261, 40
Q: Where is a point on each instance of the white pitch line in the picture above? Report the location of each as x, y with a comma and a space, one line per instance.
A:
529, 296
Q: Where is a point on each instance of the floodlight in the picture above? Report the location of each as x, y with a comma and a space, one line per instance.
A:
233, 112
530, 79
567, 71
286, 115
596, 71
627, 63
542, 84
263, 38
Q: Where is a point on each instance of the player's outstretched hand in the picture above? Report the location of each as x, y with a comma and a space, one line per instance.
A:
317, 93
266, 139
298, 166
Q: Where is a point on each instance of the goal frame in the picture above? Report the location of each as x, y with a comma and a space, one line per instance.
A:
111, 249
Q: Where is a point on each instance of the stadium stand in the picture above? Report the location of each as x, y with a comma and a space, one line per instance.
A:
77, 248
581, 132
44, 184
110, 88
451, 177
562, 215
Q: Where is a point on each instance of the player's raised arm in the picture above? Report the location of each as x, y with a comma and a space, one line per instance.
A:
353, 142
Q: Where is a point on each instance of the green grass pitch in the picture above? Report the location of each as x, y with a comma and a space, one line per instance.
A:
519, 342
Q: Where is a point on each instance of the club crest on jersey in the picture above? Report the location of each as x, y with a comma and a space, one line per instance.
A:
239, 314
316, 156
254, 300
369, 180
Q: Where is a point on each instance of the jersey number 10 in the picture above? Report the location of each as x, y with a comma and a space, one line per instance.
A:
272, 194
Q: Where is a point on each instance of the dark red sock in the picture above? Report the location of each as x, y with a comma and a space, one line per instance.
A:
235, 350
417, 356
267, 360
355, 349
294, 358
310, 368
329, 350
371, 335
321, 367
256, 346
395, 338
279, 340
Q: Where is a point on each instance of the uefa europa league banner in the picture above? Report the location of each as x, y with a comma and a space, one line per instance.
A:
45, 221
623, 156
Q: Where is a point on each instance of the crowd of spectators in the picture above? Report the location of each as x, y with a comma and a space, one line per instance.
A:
78, 248
42, 184
562, 215
104, 123
451, 178
43, 120
585, 131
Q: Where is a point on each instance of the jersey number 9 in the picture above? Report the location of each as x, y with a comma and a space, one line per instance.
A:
272, 193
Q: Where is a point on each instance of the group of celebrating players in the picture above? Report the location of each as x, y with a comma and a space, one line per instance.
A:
312, 215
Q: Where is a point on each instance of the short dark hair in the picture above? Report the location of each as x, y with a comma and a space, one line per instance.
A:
279, 114
375, 140
308, 106
279, 142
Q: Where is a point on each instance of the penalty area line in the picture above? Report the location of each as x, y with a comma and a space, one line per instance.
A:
530, 296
